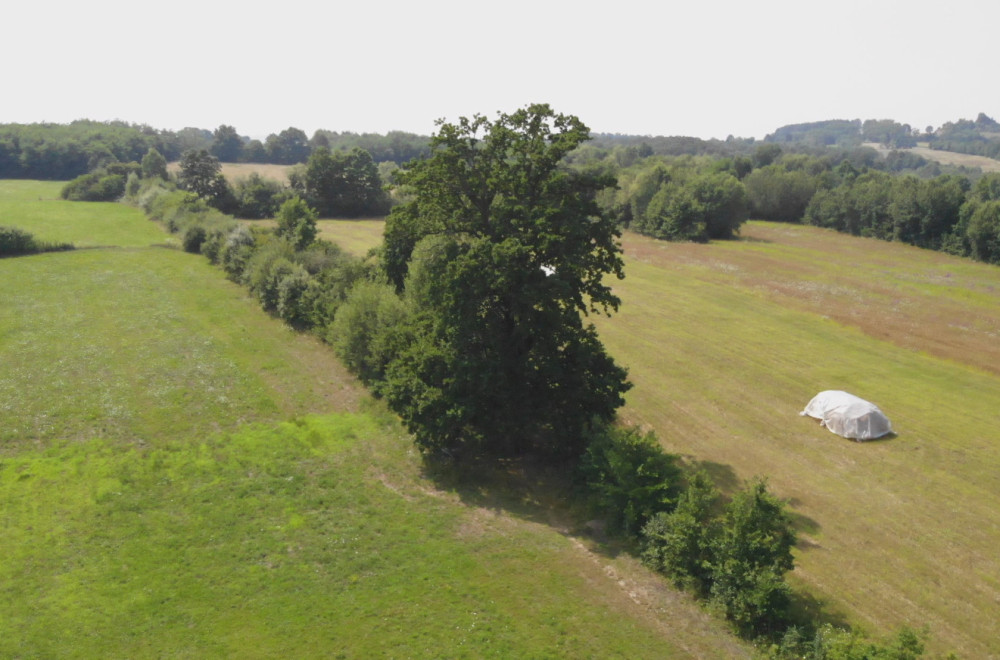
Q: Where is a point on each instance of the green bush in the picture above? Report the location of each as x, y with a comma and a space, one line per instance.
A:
297, 291
830, 643
365, 328
628, 477
678, 543
236, 251
750, 556
95, 187
15, 242
257, 197
297, 223
194, 237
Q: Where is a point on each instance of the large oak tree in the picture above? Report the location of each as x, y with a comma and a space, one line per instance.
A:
501, 251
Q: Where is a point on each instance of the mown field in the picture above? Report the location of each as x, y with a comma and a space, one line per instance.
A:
945, 157
235, 171
727, 342
182, 476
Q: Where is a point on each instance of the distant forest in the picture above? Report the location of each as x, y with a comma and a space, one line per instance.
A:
671, 187
65, 151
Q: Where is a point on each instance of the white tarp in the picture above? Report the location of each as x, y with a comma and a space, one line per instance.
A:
848, 416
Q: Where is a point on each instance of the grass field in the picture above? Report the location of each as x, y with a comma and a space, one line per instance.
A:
727, 342
181, 475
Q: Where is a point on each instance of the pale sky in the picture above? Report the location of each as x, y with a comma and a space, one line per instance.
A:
704, 68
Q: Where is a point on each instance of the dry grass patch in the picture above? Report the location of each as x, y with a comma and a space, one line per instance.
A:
944, 157
727, 342
355, 236
235, 171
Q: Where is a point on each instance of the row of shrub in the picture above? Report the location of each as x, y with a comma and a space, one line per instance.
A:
734, 554
15, 242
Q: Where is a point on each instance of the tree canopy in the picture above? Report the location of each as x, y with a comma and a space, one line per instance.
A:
500, 251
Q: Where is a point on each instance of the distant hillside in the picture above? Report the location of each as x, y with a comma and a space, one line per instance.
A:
945, 157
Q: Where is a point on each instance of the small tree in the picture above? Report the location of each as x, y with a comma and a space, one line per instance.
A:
629, 477
201, 174
297, 223
751, 554
154, 165
227, 144
679, 543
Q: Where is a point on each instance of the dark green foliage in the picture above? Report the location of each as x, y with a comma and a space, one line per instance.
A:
983, 232
154, 165
738, 559
501, 363
703, 207
879, 205
395, 146
297, 291
364, 329
15, 242
297, 223
227, 145
258, 198
750, 556
678, 543
201, 174
270, 260
254, 151
97, 186
628, 477
194, 238
288, 147
766, 154
838, 132
65, 151
775, 193
829, 643
889, 133
215, 240
342, 184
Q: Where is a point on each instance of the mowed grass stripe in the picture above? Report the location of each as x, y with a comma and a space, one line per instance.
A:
146, 346
899, 531
35, 206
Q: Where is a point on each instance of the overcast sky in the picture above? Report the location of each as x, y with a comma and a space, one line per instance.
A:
700, 67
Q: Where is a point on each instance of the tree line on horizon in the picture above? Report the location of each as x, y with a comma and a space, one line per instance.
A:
63, 151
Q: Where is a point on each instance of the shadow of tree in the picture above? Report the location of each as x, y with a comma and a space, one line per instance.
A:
539, 492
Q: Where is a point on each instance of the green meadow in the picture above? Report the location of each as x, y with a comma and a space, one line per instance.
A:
181, 475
